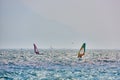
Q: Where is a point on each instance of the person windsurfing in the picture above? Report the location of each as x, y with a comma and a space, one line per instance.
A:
35, 49
82, 51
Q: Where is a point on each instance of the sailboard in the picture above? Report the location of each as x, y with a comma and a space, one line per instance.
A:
36, 49
82, 51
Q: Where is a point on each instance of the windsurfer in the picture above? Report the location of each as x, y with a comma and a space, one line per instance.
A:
80, 55
82, 51
35, 49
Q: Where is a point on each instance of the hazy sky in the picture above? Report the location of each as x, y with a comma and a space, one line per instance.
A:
60, 23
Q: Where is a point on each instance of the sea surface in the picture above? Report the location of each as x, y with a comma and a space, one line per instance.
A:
59, 64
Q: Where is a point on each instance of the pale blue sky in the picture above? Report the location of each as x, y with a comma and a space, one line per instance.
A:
60, 23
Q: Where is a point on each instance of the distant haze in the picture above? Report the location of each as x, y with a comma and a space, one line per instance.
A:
60, 23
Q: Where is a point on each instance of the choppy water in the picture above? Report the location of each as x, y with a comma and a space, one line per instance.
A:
59, 64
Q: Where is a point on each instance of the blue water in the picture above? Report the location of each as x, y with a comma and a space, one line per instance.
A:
59, 64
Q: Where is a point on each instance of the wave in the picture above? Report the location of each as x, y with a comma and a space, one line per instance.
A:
59, 64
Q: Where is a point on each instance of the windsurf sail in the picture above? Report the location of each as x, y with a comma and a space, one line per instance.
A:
82, 51
36, 49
